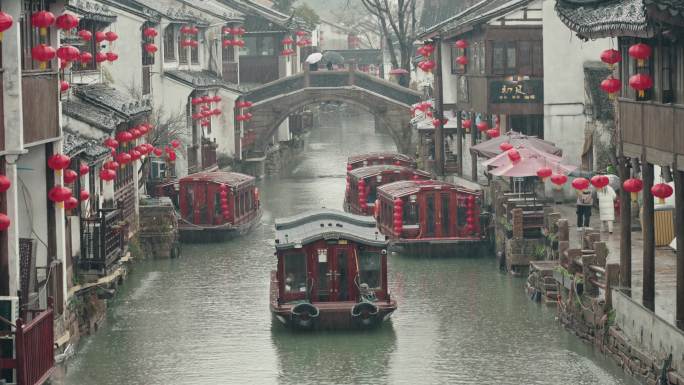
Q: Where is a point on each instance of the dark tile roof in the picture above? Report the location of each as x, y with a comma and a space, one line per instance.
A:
89, 149
216, 9
674, 8
594, 19
103, 95
436, 11
176, 11
98, 117
200, 79
89, 9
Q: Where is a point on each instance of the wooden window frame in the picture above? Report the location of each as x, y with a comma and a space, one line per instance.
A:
169, 43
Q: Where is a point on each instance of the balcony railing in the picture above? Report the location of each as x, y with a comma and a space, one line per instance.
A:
654, 125
103, 240
208, 155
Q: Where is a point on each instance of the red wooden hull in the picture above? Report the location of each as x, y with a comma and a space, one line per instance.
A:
192, 233
442, 247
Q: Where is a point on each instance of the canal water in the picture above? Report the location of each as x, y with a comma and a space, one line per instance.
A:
204, 318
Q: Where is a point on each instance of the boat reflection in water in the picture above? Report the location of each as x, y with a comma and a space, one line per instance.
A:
332, 272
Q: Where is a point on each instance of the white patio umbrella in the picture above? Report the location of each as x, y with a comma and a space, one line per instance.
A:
314, 58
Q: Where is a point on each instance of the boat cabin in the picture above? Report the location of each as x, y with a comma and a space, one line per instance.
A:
376, 158
362, 183
331, 271
427, 213
217, 204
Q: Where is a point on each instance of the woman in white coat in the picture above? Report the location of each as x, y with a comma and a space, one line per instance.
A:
606, 197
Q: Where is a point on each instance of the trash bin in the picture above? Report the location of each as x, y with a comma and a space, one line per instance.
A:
663, 223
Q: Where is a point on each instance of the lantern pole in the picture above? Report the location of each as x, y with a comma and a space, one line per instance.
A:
679, 233
648, 279
439, 108
459, 143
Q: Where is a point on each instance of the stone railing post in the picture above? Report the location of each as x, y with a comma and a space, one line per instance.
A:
612, 280
307, 76
352, 75
517, 222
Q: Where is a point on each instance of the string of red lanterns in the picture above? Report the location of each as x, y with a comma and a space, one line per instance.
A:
398, 217
6, 22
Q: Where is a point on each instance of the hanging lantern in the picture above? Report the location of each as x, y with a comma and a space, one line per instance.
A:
493, 133
580, 183
172, 156
6, 22
467, 124
505, 146
42, 20
513, 155
124, 136
150, 48
4, 222
196, 101
436, 122
544, 172
427, 65
123, 158
150, 32
111, 143
58, 162
287, 41
5, 183
216, 111
43, 54
207, 99
84, 195
70, 176
482, 125
100, 57
158, 152
66, 22
68, 53
186, 30
111, 36
175, 143
633, 186
70, 203
611, 57
63, 86
85, 35
217, 99
135, 154
461, 43
83, 169
429, 49
112, 165
100, 36
641, 83
112, 57
599, 181
662, 191
462, 61
641, 52
135, 133
59, 194
611, 86
107, 174
227, 43
559, 180
86, 57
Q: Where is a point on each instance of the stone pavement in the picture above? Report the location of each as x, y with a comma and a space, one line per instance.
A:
665, 279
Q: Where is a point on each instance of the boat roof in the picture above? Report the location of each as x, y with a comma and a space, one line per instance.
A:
370, 171
407, 187
232, 179
311, 226
379, 155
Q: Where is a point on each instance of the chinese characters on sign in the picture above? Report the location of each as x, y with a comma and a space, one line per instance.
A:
524, 91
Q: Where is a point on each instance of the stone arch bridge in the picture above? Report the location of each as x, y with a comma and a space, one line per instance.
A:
273, 102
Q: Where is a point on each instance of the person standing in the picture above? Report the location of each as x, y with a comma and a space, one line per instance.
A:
606, 197
584, 203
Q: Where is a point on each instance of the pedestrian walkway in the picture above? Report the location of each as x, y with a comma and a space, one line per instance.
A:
665, 262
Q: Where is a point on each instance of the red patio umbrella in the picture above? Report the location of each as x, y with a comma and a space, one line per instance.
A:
531, 160
490, 148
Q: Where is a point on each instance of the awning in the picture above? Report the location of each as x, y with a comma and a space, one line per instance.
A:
490, 148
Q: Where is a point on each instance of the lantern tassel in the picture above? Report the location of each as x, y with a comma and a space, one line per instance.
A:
661, 201
43, 31
642, 93
42, 65
641, 63
1, 35
611, 96
634, 196
60, 205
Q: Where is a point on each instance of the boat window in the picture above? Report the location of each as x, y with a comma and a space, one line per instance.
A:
372, 194
446, 221
461, 213
370, 270
189, 202
430, 209
217, 205
410, 213
242, 203
248, 198
294, 271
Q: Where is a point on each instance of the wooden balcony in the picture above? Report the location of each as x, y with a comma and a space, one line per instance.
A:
40, 98
230, 72
258, 69
657, 127
208, 155
102, 241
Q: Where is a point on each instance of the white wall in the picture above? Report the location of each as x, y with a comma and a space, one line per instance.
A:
449, 85
126, 72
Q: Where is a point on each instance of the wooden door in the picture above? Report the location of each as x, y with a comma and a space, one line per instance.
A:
341, 273
430, 215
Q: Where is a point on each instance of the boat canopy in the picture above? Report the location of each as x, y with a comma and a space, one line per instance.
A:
232, 179
380, 155
311, 226
371, 171
408, 187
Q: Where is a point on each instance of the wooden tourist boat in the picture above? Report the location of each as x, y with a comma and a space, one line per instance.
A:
217, 205
362, 183
432, 218
332, 272
376, 158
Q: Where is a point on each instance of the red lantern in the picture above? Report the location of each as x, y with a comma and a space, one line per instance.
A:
195, 101
172, 156
111, 56
513, 155
427, 65
58, 162
124, 136
150, 48
5, 183
505, 146
70, 176
59, 194
135, 132
662, 191
641, 83
482, 125
175, 143
559, 179
111, 36
6, 22
135, 154
63, 86
227, 43
287, 41
633, 186
123, 158
207, 99
86, 57
84, 195
100, 57
112, 165
462, 60
599, 181
580, 183
462, 44
4, 222
107, 175
158, 152
70, 203
493, 133
544, 172
42, 20
436, 122
610, 57
100, 36
111, 143
429, 49
467, 124
641, 52
83, 169
43, 53
611, 86
186, 29
85, 35
150, 32
66, 22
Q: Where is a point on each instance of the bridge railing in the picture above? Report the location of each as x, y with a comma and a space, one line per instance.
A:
385, 88
279, 87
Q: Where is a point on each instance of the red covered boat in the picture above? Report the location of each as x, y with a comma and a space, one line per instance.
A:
217, 205
376, 158
362, 184
430, 217
332, 272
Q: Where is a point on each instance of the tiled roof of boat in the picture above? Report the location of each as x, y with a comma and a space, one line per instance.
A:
406, 187
314, 225
595, 19
113, 99
232, 179
96, 116
374, 155
369, 171
202, 78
